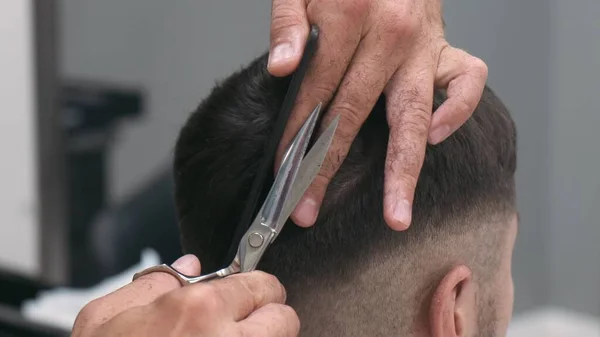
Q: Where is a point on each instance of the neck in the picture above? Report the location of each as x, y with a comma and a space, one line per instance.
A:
376, 300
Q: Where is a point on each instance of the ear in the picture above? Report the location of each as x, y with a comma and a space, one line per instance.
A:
453, 310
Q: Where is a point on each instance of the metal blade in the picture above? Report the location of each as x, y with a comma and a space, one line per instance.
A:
260, 234
270, 213
310, 167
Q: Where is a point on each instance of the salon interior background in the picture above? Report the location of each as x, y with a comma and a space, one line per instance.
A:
544, 61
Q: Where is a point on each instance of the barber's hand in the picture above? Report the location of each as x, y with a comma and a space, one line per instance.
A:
368, 47
248, 304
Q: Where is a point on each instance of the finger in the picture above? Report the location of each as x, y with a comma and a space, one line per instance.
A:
233, 298
245, 293
151, 286
142, 291
289, 30
464, 76
409, 98
367, 75
339, 35
272, 320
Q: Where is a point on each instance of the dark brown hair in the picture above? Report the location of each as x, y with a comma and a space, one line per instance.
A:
217, 154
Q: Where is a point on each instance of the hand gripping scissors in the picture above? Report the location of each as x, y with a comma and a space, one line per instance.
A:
295, 175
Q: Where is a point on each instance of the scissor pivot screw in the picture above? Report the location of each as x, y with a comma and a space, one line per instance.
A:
255, 240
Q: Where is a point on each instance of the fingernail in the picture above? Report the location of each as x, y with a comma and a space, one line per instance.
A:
306, 212
280, 53
439, 134
403, 212
183, 262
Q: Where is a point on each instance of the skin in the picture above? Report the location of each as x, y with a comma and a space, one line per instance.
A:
369, 47
387, 290
455, 309
249, 304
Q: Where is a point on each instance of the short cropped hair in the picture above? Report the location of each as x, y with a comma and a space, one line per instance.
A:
468, 176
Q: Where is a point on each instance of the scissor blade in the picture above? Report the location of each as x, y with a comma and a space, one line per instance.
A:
270, 213
310, 167
285, 192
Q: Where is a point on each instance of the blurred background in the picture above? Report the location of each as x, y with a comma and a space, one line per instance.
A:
94, 94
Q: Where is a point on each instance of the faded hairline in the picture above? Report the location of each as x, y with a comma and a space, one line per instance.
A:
400, 280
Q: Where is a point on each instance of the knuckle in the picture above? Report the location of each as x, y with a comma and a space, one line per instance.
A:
350, 9
402, 162
409, 180
407, 150
288, 318
88, 315
479, 67
414, 114
351, 112
359, 7
417, 121
181, 305
319, 3
335, 157
325, 175
207, 299
249, 288
420, 110
252, 284
280, 311
323, 90
238, 331
278, 288
399, 25
464, 108
90, 310
413, 102
269, 279
272, 284
285, 17
290, 313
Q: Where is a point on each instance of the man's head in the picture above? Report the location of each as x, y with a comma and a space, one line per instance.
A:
350, 275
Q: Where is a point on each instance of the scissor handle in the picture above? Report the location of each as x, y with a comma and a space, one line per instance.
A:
183, 279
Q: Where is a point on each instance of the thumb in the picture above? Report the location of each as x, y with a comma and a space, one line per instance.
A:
289, 30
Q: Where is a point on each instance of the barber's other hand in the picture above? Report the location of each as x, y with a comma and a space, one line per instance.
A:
248, 304
368, 47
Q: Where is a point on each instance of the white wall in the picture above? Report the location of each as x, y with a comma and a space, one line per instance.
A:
18, 185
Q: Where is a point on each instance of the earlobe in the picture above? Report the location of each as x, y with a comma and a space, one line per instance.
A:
453, 310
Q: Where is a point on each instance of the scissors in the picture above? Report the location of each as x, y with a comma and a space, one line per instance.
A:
295, 175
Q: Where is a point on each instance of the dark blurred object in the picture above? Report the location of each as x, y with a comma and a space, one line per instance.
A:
146, 219
90, 114
92, 108
104, 239
12, 324
15, 288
